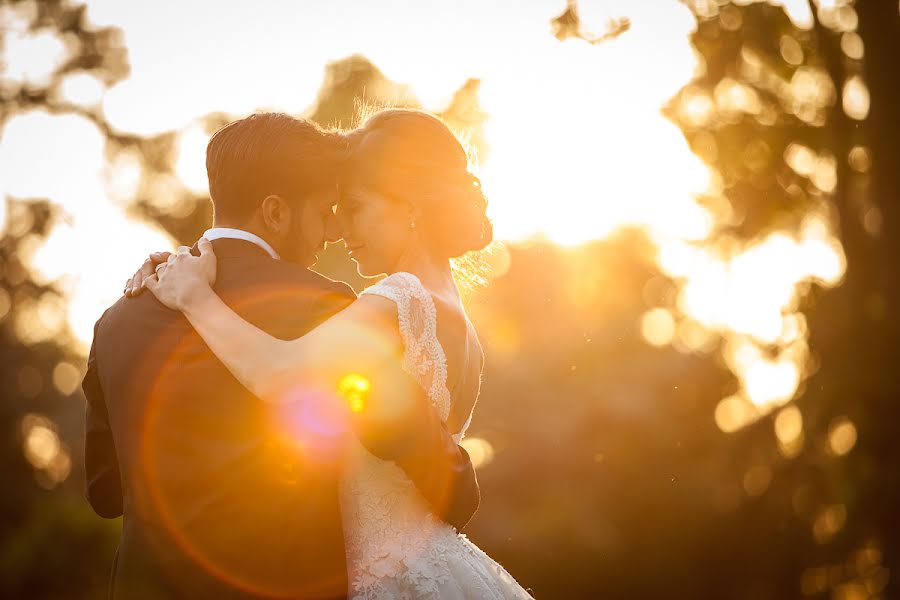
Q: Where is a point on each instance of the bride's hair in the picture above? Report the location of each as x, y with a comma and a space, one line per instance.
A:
413, 156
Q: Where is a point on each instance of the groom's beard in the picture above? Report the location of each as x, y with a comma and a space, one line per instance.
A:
298, 248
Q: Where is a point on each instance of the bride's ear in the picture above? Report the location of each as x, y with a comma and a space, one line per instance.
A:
276, 214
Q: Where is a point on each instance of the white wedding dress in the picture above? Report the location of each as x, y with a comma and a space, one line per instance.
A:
395, 547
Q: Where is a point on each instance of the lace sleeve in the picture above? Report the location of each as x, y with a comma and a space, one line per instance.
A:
423, 357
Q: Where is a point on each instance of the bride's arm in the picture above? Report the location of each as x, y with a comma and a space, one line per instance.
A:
358, 340
398, 422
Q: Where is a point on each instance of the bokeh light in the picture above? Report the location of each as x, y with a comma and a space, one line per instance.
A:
481, 452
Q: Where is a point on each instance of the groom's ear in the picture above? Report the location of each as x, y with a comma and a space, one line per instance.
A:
276, 214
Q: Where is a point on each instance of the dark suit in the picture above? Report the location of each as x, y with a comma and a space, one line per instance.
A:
225, 496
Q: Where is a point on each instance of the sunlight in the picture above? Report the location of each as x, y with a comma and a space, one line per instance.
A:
841, 436
67, 378
44, 450
856, 98
789, 431
798, 11
828, 522
734, 412
354, 388
750, 299
658, 326
31, 57
481, 452
853, 46
81, 89
770, 382
585, 142
190, 166
89, 267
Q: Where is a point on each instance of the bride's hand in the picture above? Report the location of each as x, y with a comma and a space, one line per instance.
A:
135, 285
184, 281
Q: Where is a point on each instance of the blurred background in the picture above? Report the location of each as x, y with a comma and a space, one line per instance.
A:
689, 314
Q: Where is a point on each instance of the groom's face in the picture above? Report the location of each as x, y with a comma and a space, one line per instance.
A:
314, 224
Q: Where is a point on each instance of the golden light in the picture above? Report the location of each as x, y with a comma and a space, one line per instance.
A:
748, 296
122, 177
696, 107
789, 431
852, 45
756, 480
735, 412
505, 337
841, 436
868, 557
58, 470
691, 336
852, 590
828, 522
585, 176
190, 166
81, 89
66, 378
810, 90
790, 49
481, 452
798, 11
32, 57
846, 19
800, 158
824, 176
658, 326
354, 388
860, 159
873, 220
41, 446
856, 98
770, 382
87, 267
40, 320
734, 97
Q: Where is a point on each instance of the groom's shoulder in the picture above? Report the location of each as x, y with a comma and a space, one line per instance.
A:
285, 272
283, 294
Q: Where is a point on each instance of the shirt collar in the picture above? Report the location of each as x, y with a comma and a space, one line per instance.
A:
218, 233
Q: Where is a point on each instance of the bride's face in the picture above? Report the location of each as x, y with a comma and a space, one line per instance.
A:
376, 229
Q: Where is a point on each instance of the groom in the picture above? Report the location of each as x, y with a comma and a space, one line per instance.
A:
225, 496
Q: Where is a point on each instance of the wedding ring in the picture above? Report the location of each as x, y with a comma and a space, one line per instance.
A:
160, 266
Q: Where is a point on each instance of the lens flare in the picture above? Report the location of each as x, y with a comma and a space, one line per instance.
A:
353, 387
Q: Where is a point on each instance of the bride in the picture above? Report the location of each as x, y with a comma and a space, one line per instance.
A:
408, 205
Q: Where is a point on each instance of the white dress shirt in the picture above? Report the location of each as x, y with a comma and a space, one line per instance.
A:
218, 233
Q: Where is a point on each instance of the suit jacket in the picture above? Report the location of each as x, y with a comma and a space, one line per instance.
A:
223, 495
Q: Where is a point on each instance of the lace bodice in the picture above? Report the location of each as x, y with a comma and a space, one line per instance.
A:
395, 547
423, 357
386, 519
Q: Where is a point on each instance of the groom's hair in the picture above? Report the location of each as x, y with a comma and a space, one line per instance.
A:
265, 154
